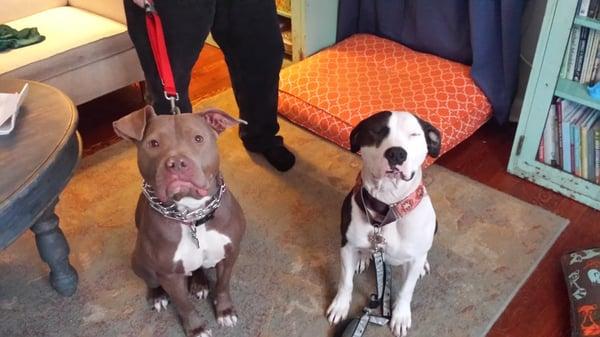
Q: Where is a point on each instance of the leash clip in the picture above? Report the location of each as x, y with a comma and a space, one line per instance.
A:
172, 99
149, 6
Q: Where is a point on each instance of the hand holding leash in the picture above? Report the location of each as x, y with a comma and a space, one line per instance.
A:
139, 3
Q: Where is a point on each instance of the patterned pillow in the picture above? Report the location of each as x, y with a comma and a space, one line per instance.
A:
582, 274
331, 91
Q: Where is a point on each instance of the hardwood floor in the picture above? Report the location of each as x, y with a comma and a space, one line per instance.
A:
541, 306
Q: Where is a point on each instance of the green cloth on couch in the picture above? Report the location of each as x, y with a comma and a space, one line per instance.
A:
11, 38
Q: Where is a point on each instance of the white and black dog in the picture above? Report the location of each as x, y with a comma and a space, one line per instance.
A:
388, 208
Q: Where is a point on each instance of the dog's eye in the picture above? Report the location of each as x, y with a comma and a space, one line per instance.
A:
154, 143
199, 139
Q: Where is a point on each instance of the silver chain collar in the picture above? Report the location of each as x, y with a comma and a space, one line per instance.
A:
171, 211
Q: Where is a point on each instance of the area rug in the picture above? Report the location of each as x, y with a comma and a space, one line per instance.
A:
486, 247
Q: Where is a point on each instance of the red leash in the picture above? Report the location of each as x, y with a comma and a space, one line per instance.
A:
161, 56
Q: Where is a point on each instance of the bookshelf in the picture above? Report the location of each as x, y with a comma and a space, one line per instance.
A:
576, 92
544, 85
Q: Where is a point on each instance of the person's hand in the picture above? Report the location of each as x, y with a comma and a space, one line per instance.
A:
139, 3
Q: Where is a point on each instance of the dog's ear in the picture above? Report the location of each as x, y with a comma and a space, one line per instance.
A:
132, 126
219, 120
370, 131
432, 136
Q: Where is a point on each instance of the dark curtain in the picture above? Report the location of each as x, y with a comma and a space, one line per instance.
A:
485, 34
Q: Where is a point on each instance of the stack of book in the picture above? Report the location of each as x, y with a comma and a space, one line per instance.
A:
571, 139
582, 60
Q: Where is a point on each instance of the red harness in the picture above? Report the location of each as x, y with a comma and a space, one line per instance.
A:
156, 36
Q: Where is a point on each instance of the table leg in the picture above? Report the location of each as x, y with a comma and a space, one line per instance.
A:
54, 250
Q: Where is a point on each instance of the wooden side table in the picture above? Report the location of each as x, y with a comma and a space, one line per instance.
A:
36, 161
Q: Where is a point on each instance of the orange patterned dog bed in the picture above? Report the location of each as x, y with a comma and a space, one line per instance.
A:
332, 91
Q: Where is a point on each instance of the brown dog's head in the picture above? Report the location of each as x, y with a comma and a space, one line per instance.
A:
177, 154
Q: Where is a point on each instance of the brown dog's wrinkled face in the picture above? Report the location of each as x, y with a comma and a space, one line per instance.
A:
177, 154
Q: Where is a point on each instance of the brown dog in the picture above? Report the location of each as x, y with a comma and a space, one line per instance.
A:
187, 220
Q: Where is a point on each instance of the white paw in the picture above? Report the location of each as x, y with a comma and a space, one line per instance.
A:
160, 303
207, 333
401, 320
363, 263
228, 320
338, 310
202, 294
426, 269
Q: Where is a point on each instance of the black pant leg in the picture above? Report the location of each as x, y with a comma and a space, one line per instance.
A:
186, 24
248, 33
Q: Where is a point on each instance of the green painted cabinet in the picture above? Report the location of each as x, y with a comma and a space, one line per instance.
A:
544, 84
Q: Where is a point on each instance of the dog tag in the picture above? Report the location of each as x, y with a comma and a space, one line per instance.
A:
194, 236
377, 241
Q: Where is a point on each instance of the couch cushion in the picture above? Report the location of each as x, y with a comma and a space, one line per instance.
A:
112, 9
332, 91
15, 9
74, 38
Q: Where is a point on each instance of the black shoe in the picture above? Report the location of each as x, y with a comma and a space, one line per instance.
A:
279, 157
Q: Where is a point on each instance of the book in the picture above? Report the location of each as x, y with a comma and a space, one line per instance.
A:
597, 152
583, 39
573, 45
565, 61
540, 153
590, 57
559, 136
584, 126
584, 5
596, 67
569, 110
576, 140
593, 9
10, 104
587, 146
549, 137
585, 70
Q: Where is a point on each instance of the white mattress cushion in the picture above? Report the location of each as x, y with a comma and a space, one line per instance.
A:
74, 38
14, 9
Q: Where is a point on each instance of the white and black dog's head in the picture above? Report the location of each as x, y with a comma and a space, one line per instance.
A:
394, 144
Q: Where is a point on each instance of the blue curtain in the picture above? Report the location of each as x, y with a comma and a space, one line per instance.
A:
485, 34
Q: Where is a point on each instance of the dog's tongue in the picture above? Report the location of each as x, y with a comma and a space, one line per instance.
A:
181, 189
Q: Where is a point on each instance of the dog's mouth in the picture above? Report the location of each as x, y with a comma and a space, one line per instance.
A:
178, 189
396, 173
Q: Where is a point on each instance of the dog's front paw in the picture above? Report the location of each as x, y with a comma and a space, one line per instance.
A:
158, 298
200, 332
363, 263
201, 294
401, 320
338, 310
426, 269
227, 318
199, 284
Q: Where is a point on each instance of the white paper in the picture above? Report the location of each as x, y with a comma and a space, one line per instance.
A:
9, 108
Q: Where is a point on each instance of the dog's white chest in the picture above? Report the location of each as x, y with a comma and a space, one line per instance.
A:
211, 248
404, 239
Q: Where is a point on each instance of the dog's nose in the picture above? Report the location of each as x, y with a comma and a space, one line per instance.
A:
395, 155
177, 163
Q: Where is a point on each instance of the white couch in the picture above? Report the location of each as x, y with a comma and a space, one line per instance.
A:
87, 52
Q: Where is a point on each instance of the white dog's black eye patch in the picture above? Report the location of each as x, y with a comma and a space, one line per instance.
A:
433, 138
371, 131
